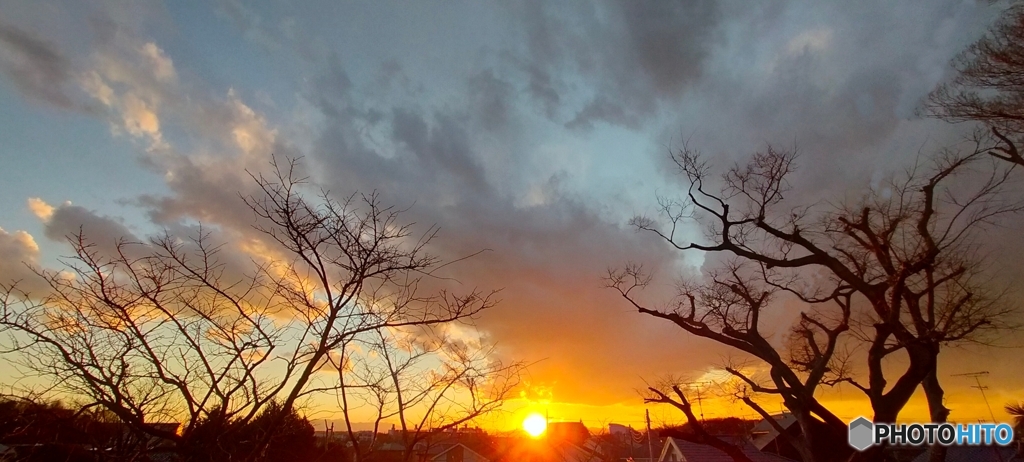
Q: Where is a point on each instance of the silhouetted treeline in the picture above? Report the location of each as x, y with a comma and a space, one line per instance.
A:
717, 426
53, 431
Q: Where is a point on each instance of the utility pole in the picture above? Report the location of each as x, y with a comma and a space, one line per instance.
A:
981, 388
650, 445
631, 433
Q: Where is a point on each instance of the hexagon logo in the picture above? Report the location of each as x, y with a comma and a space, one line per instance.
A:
861, 433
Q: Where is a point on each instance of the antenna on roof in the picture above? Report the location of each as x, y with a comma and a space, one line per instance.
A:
700, 397
980, 387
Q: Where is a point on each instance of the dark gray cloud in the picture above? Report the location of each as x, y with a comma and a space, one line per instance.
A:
669, 41
605, 109
586, 65
458, 145
442, 151
541, 85
491, 98
108, 238
36, 67
547, 256
104, 232
634, 57
330, 89
837, 82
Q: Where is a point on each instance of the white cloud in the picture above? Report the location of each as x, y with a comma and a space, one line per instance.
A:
134, 83
94, 86
19, 239
40, 208
17, 251
162, 66
550, 238
139, 119
249, 129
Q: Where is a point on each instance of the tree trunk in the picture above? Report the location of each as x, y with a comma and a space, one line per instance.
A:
939, 413
808, 451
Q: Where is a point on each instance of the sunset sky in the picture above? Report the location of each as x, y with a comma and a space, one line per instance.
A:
532, 129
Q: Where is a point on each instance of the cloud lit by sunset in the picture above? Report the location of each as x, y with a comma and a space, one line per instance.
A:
371, 202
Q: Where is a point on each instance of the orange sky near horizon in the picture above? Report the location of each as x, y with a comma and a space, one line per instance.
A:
966, 405
529, 151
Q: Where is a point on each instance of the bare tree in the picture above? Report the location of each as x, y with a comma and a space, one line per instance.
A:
730, 309
988, 86
164, 330
908, 257
675, 397
427, 381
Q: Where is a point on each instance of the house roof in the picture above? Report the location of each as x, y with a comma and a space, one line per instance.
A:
764, 433
575, 432
694, 452
977, 454
464, 448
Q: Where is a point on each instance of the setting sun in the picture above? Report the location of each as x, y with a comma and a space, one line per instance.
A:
535, 424
332, 221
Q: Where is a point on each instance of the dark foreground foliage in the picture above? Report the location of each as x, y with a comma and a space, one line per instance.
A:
54, 431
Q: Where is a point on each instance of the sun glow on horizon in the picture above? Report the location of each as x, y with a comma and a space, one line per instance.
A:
535, 424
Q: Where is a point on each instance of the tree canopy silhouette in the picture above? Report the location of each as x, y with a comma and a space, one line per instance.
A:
169, 330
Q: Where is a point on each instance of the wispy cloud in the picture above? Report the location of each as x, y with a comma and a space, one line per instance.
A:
536, 149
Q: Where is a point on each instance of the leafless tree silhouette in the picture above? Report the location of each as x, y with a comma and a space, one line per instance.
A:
672, 394
988, 86
165, 330
730, 308
429, 383
899, 269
